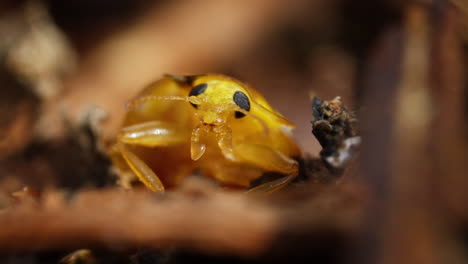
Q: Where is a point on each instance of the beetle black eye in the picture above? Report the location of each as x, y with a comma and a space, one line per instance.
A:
197, 90
242, 101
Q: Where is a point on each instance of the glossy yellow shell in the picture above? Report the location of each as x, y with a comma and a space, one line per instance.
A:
168, 133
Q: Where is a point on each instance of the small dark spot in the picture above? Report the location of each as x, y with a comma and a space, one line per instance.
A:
183, 79
238, 114
197, 90
242, 101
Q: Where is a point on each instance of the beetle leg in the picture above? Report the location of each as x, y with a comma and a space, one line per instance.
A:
269, 160
149, 134
196, 147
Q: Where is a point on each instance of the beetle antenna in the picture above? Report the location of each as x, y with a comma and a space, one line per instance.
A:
143, 99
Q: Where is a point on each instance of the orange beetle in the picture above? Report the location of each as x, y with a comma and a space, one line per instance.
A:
213, 123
